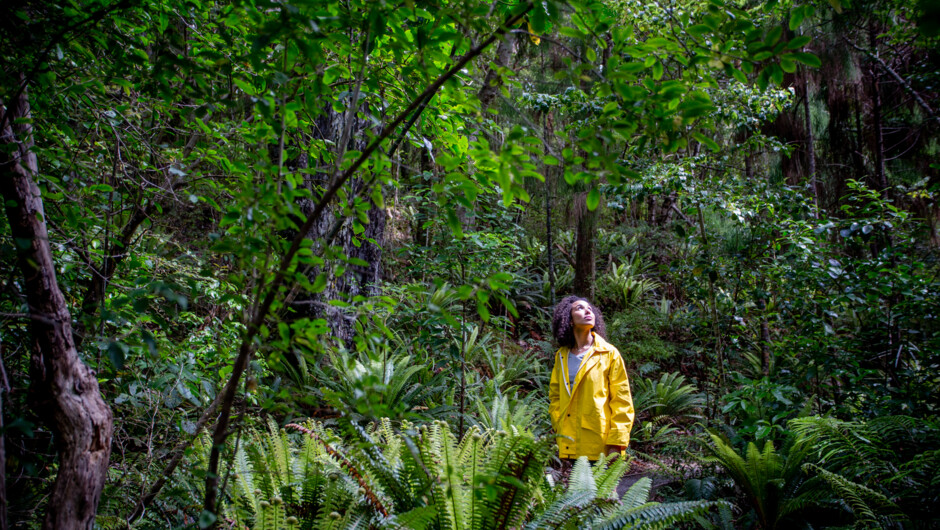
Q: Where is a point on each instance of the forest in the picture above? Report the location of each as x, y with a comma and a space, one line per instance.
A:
284, 264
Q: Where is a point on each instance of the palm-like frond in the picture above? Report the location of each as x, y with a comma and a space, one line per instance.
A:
772, 482
668, 397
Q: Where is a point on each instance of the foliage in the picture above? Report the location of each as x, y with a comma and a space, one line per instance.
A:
426, 479
884, 468
773, 483
624, 287
181, 145
669, 396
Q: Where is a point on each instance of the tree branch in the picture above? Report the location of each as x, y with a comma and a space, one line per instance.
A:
225, 398
897, 77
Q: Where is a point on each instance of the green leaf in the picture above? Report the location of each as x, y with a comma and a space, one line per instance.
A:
319, 283
796, 18
761, 56
246, 87
798, 42
658, 70
483, 311
787, 64
117, 353
698, 30
773, 36
206, 519
807, 58
708, 142
593, 199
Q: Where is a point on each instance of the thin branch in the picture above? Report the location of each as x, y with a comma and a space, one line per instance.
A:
897, 77
224, 398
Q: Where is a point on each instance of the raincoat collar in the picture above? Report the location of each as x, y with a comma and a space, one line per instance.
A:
600, 346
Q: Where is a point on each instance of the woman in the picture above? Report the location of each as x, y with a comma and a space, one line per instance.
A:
591, 408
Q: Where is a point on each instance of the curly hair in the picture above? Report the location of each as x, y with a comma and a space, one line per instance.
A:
563, 329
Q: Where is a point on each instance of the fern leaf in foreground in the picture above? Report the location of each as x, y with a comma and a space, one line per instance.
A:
653, 515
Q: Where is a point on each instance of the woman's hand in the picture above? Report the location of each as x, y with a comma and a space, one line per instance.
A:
615, 449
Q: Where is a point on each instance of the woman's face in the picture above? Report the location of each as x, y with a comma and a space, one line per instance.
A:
581, 314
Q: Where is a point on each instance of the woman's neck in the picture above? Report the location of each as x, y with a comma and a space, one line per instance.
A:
583, 336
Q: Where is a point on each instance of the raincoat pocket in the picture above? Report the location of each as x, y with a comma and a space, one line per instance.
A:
594, 420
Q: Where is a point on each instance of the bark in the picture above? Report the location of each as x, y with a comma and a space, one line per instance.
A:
493, 80
4, 388
549, 135
584, 252
356, 280
881, 180
64, 392
931, 116
810, 147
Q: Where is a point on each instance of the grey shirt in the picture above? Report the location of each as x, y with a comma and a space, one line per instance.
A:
574, 364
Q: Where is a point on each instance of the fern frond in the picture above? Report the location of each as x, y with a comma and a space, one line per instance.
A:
564, 511
369, 493
655, 516
513, 470
279, 450
863, 500
638, 494
608, 478
415, 519
581, 478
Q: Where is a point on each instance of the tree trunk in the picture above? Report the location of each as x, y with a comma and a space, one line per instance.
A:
881, 180
548, 237
810, 147
493, 80
4, 388
366, 246
64, 392
584, 253
549, 134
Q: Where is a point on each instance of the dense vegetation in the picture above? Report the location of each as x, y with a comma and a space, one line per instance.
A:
291, 264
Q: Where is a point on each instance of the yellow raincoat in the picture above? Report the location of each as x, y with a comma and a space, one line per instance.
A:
598, 411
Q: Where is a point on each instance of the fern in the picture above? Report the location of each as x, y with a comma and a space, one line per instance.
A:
654, 515
607, 477
581, 479
772, 482
670, 397
864, 502
566, 510
638, 494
